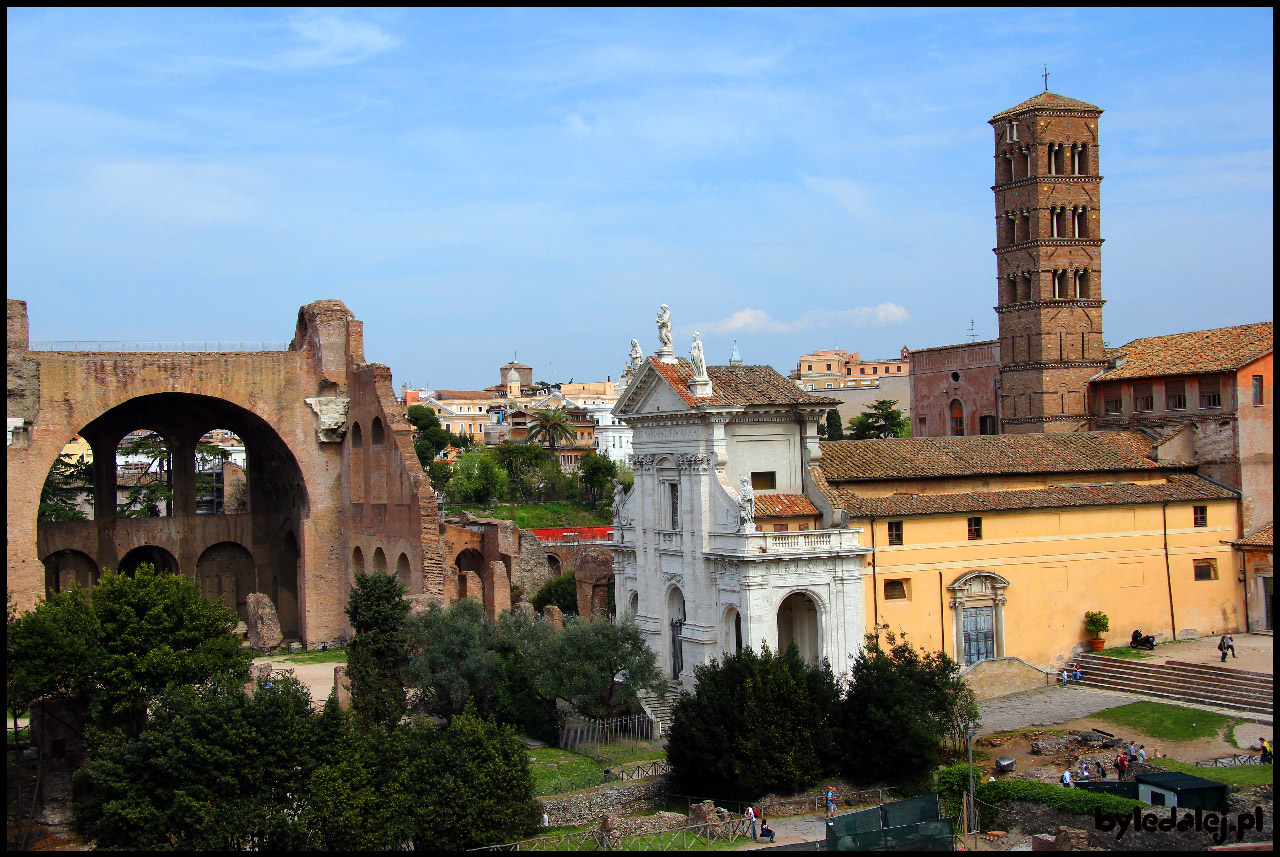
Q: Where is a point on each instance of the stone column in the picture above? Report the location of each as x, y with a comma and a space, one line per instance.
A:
104, 499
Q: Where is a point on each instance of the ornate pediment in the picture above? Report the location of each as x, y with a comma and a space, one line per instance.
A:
649, 393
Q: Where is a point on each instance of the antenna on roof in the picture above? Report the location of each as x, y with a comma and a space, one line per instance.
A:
972, 336
1046, 78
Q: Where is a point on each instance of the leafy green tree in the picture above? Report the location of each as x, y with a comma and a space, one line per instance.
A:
477, 478
453, 660
596, 472
882, 419
68, 479
522, 640
430, 437
440, 473
835, 431
103, 654
523, 462
377, 655
755, 723
560, 591
553, 427
214, 769
465, 786
900, 706
599, 666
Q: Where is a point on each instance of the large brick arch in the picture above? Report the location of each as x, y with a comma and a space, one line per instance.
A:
292, 406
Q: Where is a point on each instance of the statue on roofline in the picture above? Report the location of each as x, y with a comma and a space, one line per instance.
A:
664, 327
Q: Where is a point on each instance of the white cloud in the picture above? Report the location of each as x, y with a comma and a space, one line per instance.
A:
328, 39
752, 320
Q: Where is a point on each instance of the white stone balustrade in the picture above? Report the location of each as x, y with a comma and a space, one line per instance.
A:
785, 544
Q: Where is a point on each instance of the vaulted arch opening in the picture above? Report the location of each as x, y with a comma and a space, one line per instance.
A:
799, 625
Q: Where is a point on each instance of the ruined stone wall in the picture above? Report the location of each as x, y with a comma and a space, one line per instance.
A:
531, 567
620, 799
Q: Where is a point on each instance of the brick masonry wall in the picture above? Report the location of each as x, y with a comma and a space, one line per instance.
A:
620, 799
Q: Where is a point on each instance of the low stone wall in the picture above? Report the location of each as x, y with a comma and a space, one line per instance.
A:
1003, 676
619, 799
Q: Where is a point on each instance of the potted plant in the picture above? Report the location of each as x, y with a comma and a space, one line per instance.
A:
1097, 624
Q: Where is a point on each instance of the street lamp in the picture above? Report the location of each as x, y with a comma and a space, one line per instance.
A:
973, 802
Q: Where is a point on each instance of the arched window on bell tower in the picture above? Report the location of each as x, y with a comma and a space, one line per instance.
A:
957, 418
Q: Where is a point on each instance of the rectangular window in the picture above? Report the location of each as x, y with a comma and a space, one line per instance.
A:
895, 532
829, 385
862, 370
975, 529
779, 528
1210, 392
1143, 398
1111, 402
986, 424
802, 527
764, 480
675, 505
895, 590
1200, 516
828, 367
1205, 569
874, 370
1257, 389
1175, 395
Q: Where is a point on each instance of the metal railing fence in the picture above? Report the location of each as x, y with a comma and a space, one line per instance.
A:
191, 346
602, 739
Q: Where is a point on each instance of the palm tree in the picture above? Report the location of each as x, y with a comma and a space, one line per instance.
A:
553, 426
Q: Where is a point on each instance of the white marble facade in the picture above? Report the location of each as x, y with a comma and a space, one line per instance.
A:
698, 580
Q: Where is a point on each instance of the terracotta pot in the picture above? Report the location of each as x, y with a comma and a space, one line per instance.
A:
1097, 644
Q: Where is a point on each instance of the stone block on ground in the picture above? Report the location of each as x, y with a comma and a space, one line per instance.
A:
1050, 745
553, 615
1072, 839
263, 623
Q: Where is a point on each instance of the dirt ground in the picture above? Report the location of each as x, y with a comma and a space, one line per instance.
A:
1019, 747
317, 677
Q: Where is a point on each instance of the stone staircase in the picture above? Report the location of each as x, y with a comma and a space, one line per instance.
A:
1205, 684
660, 709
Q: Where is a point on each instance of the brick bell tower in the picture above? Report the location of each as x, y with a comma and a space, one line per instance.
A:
1049, 262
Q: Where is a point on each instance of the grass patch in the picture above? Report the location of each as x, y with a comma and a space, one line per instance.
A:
551, 765
1170, 722
527, 516
1169, 649
1241, 775
332, 656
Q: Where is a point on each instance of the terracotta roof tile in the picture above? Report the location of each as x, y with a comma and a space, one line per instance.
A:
936, 457
784, 506
1223, 349
1262, 538
1048, 101
464, 395
1181, 487
737, 385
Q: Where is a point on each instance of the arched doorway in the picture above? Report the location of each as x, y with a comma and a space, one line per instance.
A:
225, 573
357, 562
553, 562
470, 563
158, 557
66, 568
634, 605
379, 561
798, 625
675, 622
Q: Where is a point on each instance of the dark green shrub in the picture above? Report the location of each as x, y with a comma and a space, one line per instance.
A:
561, 592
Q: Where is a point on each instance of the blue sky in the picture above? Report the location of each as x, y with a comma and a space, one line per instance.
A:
474, 184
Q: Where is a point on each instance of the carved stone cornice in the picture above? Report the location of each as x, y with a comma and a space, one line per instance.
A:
1049, 242
695, 463
1054, 304
1064, 364
1056, 418
1030, 180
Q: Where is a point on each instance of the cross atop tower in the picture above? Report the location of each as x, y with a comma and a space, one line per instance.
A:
1046, 78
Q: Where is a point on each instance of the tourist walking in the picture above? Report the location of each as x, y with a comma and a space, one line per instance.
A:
1066, 778
1222, 647
1231, 646
751, 816
1266, 757
831, 803
1122, 765
1102, 772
